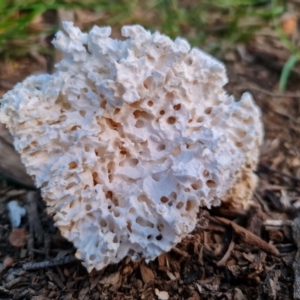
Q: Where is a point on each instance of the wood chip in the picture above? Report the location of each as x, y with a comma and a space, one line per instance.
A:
249, 237
162, 295
147, 273
296, 264
18, 237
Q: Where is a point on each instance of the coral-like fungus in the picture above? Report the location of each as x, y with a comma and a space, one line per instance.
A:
128, 138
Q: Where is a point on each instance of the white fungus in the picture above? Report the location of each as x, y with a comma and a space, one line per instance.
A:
128, 138
15, 213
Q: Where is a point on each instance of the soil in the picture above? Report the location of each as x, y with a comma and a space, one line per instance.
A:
232, 254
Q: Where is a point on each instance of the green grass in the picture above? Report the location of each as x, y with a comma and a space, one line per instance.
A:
214, 25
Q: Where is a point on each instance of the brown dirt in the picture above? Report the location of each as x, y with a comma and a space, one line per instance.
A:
219, 260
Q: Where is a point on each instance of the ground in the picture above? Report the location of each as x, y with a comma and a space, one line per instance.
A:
232, 254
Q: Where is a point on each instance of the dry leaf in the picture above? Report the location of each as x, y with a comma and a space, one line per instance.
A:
147, 273
18, 237
7, 262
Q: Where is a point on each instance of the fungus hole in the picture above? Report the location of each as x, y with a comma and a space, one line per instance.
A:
150, 103
144, 198
88, 207
149, 237
160, 227
248, 120
44, 184
173, 196
103, 104
116, 111
70, 185
109, 194
205, 173
176, 151
110, 166
211, 184
159, 237
132, 162
179, 205
72, 165
200, 119
116, 213
150, 58
85, 89
162, 112
132, 210
112, 124
86, 148
187, 190
110, 178
189, 61
103, 223
164, 199
190, 121
95, 178
155, 177
148, 83
92, 257
239, 144
208, 110
144, 223
171, 120
177, 107
193, 146
161, 147
139, 124
190, 204
72, 203
170, 96
66, 105
82, 113
142, 114
197, 185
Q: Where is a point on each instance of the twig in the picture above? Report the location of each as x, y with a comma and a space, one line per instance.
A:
3, 290
278, 223
222, 262
287, 116
254, 87
249, 237
14, 282
296, 264
35, 227
279, 172
180, 252
49, 263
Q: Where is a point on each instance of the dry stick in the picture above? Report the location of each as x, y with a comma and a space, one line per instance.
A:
49, 263
35, 227
296, 264
180, 252
267, 92
280, 173
249, 237
222, 262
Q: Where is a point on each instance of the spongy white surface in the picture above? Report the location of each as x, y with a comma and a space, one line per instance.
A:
128, 138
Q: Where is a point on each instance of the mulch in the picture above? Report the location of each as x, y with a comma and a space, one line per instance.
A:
232, 253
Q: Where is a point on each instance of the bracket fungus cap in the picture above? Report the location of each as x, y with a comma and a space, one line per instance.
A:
128, 138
